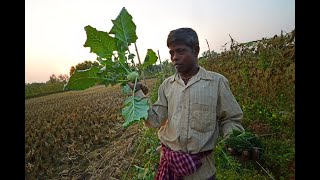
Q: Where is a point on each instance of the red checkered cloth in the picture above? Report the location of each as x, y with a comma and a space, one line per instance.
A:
175, 165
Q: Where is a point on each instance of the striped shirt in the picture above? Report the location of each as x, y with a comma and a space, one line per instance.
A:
190, 117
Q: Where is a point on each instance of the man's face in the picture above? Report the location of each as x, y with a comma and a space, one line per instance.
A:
182, 57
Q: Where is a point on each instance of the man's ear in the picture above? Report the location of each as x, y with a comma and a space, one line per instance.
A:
196, 50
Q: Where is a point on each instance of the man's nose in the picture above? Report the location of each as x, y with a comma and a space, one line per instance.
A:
174, 57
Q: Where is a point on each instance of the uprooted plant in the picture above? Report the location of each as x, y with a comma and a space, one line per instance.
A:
116, 65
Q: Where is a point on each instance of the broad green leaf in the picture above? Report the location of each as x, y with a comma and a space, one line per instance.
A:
106, 62
150, 58
124, 30
100, 42
136, 109
83, 79
123, 58
125, 88
113, 71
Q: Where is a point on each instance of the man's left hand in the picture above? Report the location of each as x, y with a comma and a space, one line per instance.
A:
245, 155
139, 86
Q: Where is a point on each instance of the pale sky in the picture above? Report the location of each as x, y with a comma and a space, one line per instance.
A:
55, 35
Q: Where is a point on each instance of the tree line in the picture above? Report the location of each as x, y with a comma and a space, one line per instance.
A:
56, 82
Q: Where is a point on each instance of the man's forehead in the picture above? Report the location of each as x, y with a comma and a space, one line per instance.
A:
178, 46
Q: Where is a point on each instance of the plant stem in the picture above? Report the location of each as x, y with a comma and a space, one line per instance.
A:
209, 49
267, 134
142, 71
159, 60
264, 170
124, 67
134, 87
226, 157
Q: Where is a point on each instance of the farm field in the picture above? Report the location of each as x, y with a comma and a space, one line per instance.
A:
78, 135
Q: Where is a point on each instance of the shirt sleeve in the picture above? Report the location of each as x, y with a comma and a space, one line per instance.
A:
229, 113
158, 112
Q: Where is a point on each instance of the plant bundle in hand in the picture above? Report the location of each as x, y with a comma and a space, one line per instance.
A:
241, 141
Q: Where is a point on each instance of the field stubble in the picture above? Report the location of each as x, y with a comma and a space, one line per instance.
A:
79, 135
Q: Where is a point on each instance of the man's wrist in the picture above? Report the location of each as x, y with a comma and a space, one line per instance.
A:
139, 93
137, 89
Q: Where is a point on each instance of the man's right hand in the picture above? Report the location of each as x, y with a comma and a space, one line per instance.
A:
139, 86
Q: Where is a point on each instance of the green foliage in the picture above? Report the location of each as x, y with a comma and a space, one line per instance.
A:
167, 69
41, 89
207, 54
115, 65
124, 30
144, 173
148, 157
53, 85
83, 79
100, 42
224, 160
262, 77
241, 141
135, 110
125, 89
228, 167
150, 59
279, 156
152, 71
113, 54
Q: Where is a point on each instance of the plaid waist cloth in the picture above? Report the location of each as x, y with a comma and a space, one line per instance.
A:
175, 165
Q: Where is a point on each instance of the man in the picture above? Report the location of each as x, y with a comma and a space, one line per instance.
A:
193, 106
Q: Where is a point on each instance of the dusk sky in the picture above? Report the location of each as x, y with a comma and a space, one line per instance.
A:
55, 35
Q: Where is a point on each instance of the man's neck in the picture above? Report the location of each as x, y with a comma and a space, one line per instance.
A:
191, 73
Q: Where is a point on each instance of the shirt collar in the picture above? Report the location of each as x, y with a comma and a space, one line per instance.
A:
201, 74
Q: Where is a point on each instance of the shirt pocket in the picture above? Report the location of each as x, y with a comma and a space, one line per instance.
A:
203, 117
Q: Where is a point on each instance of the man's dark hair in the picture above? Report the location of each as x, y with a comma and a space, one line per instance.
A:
186, 36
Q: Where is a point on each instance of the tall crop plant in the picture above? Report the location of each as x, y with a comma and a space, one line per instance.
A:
262, 77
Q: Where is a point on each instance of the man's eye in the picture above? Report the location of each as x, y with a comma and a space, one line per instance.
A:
180, 50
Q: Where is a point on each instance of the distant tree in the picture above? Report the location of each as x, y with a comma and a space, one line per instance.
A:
86, 65
72, 69
58, 79
63, 78
82, 66
53, 79
153, 68
167, 68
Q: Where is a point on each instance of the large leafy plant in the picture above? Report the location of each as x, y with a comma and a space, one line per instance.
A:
116, 64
